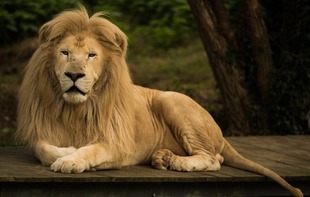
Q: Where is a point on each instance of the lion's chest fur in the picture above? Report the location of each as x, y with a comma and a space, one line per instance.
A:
75, 125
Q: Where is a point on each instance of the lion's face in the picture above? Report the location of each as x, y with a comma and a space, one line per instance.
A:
79, 64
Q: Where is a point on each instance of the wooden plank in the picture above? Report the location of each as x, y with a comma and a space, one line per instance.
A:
302, 141
284, 162
257, 153
238, 175
247, 146
23, 168
290, 159
279, 144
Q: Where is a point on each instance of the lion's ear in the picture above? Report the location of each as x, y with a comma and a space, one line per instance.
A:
48, 32
44, 33
121, 40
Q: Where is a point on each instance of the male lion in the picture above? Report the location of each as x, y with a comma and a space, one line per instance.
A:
79, 110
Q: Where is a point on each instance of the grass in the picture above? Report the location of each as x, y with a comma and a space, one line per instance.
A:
183, 69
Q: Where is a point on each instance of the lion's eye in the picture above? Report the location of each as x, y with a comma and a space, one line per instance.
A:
66, 53
92, 55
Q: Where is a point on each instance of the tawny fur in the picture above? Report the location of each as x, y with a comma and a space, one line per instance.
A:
109, 122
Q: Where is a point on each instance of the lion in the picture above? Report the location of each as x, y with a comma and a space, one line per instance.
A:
79, 110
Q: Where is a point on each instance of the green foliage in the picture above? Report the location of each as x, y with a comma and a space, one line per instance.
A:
154, 22
22, 18
162, 23
158, 23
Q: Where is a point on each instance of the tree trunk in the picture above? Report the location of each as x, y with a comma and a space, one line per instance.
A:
218, 40
261, 50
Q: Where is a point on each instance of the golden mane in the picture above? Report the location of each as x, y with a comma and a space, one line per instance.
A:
106, 116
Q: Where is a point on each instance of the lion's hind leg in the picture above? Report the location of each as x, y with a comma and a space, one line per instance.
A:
195, 131
199, 161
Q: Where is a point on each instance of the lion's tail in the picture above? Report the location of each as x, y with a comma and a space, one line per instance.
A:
234, 159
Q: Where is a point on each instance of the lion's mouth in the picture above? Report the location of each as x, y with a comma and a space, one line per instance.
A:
74, 89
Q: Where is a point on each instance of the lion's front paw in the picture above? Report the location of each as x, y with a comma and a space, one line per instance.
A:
69, 164
161, 159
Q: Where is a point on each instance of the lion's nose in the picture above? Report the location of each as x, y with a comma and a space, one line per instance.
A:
74, 76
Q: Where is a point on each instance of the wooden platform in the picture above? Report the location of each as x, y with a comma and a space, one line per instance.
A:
22, 175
